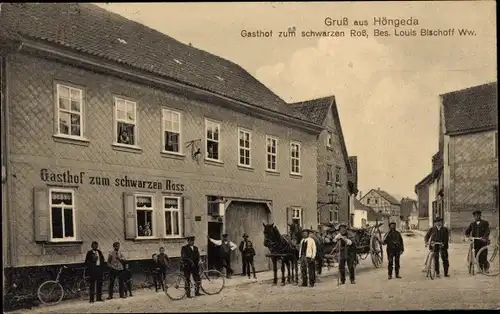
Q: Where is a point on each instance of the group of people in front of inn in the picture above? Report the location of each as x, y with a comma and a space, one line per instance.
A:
190, 257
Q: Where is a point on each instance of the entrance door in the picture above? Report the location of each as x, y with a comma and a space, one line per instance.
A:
214, 232
246, 217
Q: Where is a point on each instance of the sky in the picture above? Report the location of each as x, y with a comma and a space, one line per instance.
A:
386, 88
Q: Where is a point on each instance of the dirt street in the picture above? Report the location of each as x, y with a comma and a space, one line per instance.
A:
373, 291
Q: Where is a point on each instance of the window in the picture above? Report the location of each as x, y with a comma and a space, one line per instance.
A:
328, 175
144, 212
297, 215
62, 214
295, 157
338, 177
171, 131
172, 207
69, 111
244, 147
125, 122
368, 201
334, 214
212, 132
272, 153
329, 139
376, 201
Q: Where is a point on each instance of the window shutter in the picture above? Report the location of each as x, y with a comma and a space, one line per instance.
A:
303, 219
159, 226
289, 220
130, 216
42, 214
186, 215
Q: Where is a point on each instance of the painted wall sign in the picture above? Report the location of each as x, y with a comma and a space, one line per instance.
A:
69, 177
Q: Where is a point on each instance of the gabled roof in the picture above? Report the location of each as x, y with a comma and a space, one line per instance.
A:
425, 181
93, 31
317, 111
388, 197
471, 109
360, 206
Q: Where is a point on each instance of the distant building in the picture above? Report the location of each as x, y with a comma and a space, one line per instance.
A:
335, 181
360, 214
383, 202
409, 213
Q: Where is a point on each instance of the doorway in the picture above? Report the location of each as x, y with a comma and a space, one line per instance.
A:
214, 232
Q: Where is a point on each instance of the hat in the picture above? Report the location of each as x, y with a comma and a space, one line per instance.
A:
225, 235
306, 230
190, 237
392, 223
342, 224
245, 235
477, 212
438, 219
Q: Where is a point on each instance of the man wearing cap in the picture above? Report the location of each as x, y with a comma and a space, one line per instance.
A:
307, 254
190, 261
225, 249
395, 247
347, 252
242, 248
480, 228
439, 233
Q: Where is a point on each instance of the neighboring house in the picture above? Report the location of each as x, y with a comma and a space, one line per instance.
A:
360, 214
335, 188
378, 217
117, 132
409, 213
383, 202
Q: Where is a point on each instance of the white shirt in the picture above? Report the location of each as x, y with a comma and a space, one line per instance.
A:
98, 262
219, 243
338, 236
310, 249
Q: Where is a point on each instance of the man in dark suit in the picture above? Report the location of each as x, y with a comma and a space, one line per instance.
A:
94, 261
394, 247
347, 253
190, 260
242, 248
480, 229
439, 233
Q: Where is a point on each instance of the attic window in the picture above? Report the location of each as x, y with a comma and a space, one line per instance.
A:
219, 78
121, 41
179, 62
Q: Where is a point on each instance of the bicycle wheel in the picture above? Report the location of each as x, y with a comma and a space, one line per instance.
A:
492, 258
175, 286
50, 292
431, 268
212, 282
470, 261
83, 286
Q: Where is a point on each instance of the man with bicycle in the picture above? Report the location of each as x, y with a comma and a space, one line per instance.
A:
480, 228
190, 266
439, 234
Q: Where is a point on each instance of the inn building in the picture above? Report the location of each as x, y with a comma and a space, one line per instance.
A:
112, 131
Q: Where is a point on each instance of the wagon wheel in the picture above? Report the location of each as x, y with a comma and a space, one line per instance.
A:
376, 251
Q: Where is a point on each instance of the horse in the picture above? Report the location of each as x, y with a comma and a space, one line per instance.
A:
281, 247
296, 234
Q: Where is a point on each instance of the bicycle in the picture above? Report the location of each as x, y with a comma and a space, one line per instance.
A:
430, 267
212, 282
56, 290
492, 262
471, 257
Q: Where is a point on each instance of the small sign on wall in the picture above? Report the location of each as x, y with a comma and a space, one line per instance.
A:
197, 218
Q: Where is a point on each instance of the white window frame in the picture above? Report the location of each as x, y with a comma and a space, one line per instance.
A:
73, 207
116, 120
170, 211
338, 175
164, 129
249, 148
153, 216
276, 141
212, 123
298, 216
333, 214
329, 139
295, 158
81, 113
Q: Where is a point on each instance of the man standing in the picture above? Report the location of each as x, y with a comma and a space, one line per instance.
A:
242, 248
480, 228
395, 247
164, 263
190, 266
225, 249
439, 233
307, 255
347, 253
116, 260
94, 261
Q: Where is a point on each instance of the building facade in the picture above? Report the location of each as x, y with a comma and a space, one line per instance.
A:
335, 180
360, 214
383, 202
409, 213
118, 146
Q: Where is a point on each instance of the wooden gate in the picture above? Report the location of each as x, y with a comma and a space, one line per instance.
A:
246, 217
